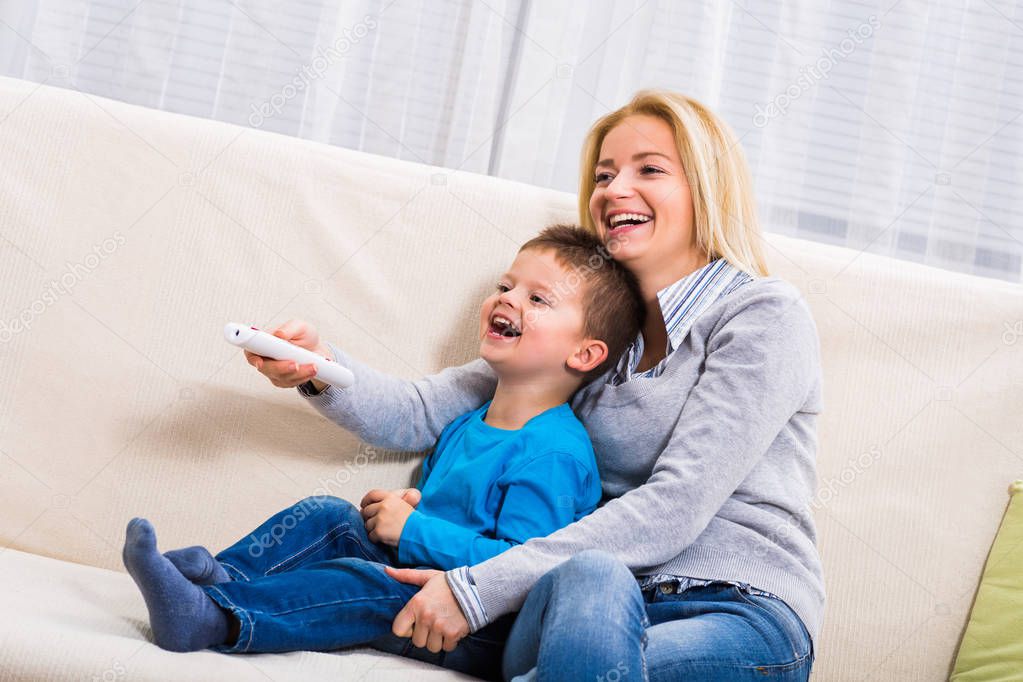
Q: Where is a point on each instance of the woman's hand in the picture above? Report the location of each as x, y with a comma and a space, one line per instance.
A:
432, 618
288, 373
385, 513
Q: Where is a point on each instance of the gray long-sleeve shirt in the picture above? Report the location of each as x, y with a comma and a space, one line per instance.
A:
708, 470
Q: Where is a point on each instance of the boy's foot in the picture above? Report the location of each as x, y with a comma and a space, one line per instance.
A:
198, 565
182, 616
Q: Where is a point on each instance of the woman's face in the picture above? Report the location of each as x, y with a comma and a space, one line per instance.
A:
641, 198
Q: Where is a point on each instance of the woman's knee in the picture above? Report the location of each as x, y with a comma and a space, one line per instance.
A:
594, 584
590, 603
595, 566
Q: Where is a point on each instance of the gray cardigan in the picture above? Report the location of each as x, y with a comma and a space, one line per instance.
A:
708, 470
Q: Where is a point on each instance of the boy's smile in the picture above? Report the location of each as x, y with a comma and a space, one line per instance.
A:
502, 327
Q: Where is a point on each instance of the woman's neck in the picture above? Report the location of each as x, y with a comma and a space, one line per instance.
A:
655, 334
657, 277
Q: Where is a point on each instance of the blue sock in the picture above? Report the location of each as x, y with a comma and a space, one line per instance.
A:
198, 565
183, 617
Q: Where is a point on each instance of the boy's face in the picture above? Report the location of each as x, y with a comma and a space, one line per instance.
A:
533, 322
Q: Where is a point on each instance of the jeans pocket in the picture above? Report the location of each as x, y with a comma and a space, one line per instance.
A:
798, 669
787, 621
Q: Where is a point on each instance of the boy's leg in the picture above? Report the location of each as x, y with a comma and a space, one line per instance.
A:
198, 565
311, 530
183, 618
323, 606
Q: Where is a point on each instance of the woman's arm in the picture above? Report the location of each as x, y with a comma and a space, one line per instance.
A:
761, 366
398, 414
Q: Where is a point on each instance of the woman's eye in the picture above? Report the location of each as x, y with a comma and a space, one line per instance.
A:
652, 169
602, 177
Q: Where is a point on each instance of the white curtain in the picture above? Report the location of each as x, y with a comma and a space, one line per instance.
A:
890, 127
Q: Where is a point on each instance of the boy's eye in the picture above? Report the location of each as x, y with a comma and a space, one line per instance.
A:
538, 299
501, 288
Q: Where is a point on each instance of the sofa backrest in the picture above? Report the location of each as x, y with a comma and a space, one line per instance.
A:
131, 236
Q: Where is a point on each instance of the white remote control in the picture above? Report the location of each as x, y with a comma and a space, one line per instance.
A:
259, 342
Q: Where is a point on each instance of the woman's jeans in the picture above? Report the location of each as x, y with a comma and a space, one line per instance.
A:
309, 578
587, 619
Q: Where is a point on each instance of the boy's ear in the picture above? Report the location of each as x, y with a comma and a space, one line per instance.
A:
589, 354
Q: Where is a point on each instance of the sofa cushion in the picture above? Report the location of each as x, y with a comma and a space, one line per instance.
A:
992, 646
65, 621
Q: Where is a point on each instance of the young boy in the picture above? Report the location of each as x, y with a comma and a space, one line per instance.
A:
311, 577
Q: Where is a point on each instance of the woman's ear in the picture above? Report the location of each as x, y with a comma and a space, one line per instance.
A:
589, 354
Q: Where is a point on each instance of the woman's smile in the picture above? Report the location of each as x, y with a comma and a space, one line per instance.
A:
620, 221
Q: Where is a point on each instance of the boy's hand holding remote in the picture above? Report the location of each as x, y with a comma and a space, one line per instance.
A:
287, 373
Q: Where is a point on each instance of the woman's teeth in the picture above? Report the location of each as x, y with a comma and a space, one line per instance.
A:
622, 219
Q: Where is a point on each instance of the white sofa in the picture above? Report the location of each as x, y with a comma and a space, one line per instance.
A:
129, 237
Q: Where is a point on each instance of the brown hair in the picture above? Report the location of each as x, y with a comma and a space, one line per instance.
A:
613, 309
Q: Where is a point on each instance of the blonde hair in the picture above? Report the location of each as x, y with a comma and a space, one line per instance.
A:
724, 209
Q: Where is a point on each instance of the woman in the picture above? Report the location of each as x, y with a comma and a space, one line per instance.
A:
701, 564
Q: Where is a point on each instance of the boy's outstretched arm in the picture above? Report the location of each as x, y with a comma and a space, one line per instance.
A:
399, 414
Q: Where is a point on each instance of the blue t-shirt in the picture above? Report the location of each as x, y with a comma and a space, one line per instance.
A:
487, 489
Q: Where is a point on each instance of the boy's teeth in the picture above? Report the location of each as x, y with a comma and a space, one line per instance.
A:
504, 326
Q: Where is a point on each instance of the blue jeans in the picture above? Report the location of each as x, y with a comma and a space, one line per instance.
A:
309, 578
587, 619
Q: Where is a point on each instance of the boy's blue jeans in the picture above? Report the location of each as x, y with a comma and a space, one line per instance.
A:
588, 619
309, 578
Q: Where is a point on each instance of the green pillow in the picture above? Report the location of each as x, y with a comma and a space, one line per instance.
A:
992, 646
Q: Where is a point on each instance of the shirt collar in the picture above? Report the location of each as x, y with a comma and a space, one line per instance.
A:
681, 304
683, 301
